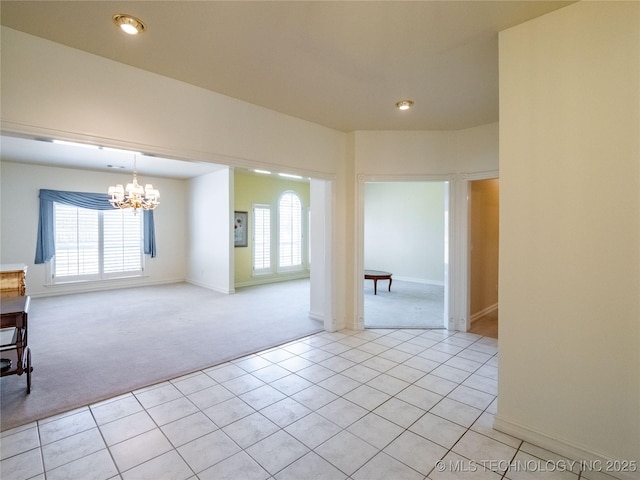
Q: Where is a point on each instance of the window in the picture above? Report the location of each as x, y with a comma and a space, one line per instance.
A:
290, 232
261, 238
96, 244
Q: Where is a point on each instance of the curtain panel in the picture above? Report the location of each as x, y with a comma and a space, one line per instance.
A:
45, 246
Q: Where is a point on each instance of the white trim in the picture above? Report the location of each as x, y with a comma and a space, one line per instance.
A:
461, 319
273, 278
570, 450
483, 312
100, 285
209, 286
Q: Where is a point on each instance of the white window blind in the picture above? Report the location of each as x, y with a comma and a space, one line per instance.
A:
77, 241
92, 244
290, 231
261, 239
122, 241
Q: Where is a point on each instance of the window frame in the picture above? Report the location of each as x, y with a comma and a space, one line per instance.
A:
271, 247
303, 262
53, 279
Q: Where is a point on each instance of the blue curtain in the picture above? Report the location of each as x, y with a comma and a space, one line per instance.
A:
45, 246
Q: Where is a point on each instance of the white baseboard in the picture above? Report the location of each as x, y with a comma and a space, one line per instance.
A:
572, 451
483, 312
99, 285
272, 279
208, 286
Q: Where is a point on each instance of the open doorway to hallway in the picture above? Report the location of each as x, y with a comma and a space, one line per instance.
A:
484, 204
405, 235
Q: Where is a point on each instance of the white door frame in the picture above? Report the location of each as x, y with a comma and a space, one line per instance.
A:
359, 237
461, 320
321, 272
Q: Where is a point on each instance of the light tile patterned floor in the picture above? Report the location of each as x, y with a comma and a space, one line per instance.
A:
376, 404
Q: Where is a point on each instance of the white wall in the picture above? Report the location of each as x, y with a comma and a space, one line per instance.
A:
404, 153
429, 155
210, 238
48, 86
52, 90
321, 252
477, 149
427, 152
570, 231
404, 230
20, 186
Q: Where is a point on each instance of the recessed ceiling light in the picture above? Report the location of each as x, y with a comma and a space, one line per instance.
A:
404, 104
288, 175
129, 24
265, 172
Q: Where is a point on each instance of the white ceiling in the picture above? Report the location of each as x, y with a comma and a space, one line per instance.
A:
40, 152
342, 64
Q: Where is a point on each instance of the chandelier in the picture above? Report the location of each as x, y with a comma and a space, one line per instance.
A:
134, 196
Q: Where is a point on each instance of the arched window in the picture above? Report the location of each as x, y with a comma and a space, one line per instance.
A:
289, 231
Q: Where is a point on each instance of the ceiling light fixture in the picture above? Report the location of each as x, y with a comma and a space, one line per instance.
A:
265, 172
129, 24
404, 104
288, 175
136, 197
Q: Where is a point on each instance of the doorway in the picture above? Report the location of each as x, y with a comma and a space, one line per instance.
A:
405, 234
262, 192
484, 205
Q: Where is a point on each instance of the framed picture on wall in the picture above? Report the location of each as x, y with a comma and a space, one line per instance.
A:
240, 227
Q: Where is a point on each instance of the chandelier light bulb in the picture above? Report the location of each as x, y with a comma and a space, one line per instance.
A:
134, 195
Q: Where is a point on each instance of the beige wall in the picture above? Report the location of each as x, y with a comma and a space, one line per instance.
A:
484, 202
570, 230
265, 190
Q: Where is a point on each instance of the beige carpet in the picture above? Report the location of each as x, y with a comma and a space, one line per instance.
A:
92, 346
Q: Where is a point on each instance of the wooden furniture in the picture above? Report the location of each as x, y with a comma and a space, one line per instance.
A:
376, 275
13, 280
14, 349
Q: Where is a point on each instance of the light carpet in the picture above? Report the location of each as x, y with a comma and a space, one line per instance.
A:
407, 305
93, 346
